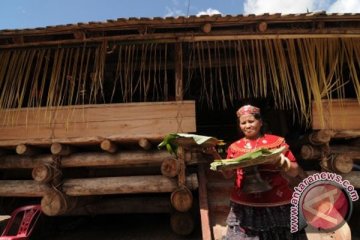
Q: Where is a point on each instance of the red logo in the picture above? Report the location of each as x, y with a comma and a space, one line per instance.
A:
325, 206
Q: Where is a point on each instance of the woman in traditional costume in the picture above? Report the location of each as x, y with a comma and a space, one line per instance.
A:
260, 209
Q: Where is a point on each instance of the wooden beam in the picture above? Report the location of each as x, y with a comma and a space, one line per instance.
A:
191, 37
97, 186
22, 188
23, 162
124, 185
92, 159
120, 159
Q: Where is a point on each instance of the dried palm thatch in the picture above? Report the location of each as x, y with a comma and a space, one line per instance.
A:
293, 72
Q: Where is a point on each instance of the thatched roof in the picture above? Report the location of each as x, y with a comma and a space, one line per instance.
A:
192, 28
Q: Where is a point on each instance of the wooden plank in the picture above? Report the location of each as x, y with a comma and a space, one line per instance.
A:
336, 115
95, 113
96, 123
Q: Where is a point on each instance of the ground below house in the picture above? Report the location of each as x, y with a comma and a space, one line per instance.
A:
106, 227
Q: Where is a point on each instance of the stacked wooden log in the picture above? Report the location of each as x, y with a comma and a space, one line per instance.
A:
335, 138
94, 159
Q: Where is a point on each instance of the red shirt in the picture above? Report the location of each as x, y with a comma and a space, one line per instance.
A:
280, 193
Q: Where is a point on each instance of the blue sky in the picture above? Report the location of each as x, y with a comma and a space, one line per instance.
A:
19, 14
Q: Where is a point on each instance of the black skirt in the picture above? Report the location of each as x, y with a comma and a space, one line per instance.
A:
263, 223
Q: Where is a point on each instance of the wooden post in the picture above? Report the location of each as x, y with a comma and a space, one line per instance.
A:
108, 146
145, 144
43, 172
310, 152
56, 203
182, 166
61, 149
182, 199
203, 204
179, 94
170, 167
26, 150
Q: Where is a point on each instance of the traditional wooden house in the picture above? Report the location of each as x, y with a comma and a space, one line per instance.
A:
83, 107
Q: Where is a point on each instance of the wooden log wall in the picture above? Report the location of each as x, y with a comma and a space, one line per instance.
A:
334, 142
82, 140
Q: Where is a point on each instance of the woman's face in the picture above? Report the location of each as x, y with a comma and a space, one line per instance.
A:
250, 126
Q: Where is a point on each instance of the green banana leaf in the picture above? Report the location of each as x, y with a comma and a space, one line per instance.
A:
171, 143
259, 156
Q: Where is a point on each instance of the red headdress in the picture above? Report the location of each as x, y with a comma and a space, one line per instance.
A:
247, 109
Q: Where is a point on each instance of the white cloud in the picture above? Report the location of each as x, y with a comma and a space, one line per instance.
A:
300, 6
345, 6
209, 12
173, 12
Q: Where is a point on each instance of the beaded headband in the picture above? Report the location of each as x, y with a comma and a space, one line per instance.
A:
247, 109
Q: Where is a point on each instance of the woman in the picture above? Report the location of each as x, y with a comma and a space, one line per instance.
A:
254, 213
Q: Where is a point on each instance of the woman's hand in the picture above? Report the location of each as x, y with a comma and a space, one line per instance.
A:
283, 163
